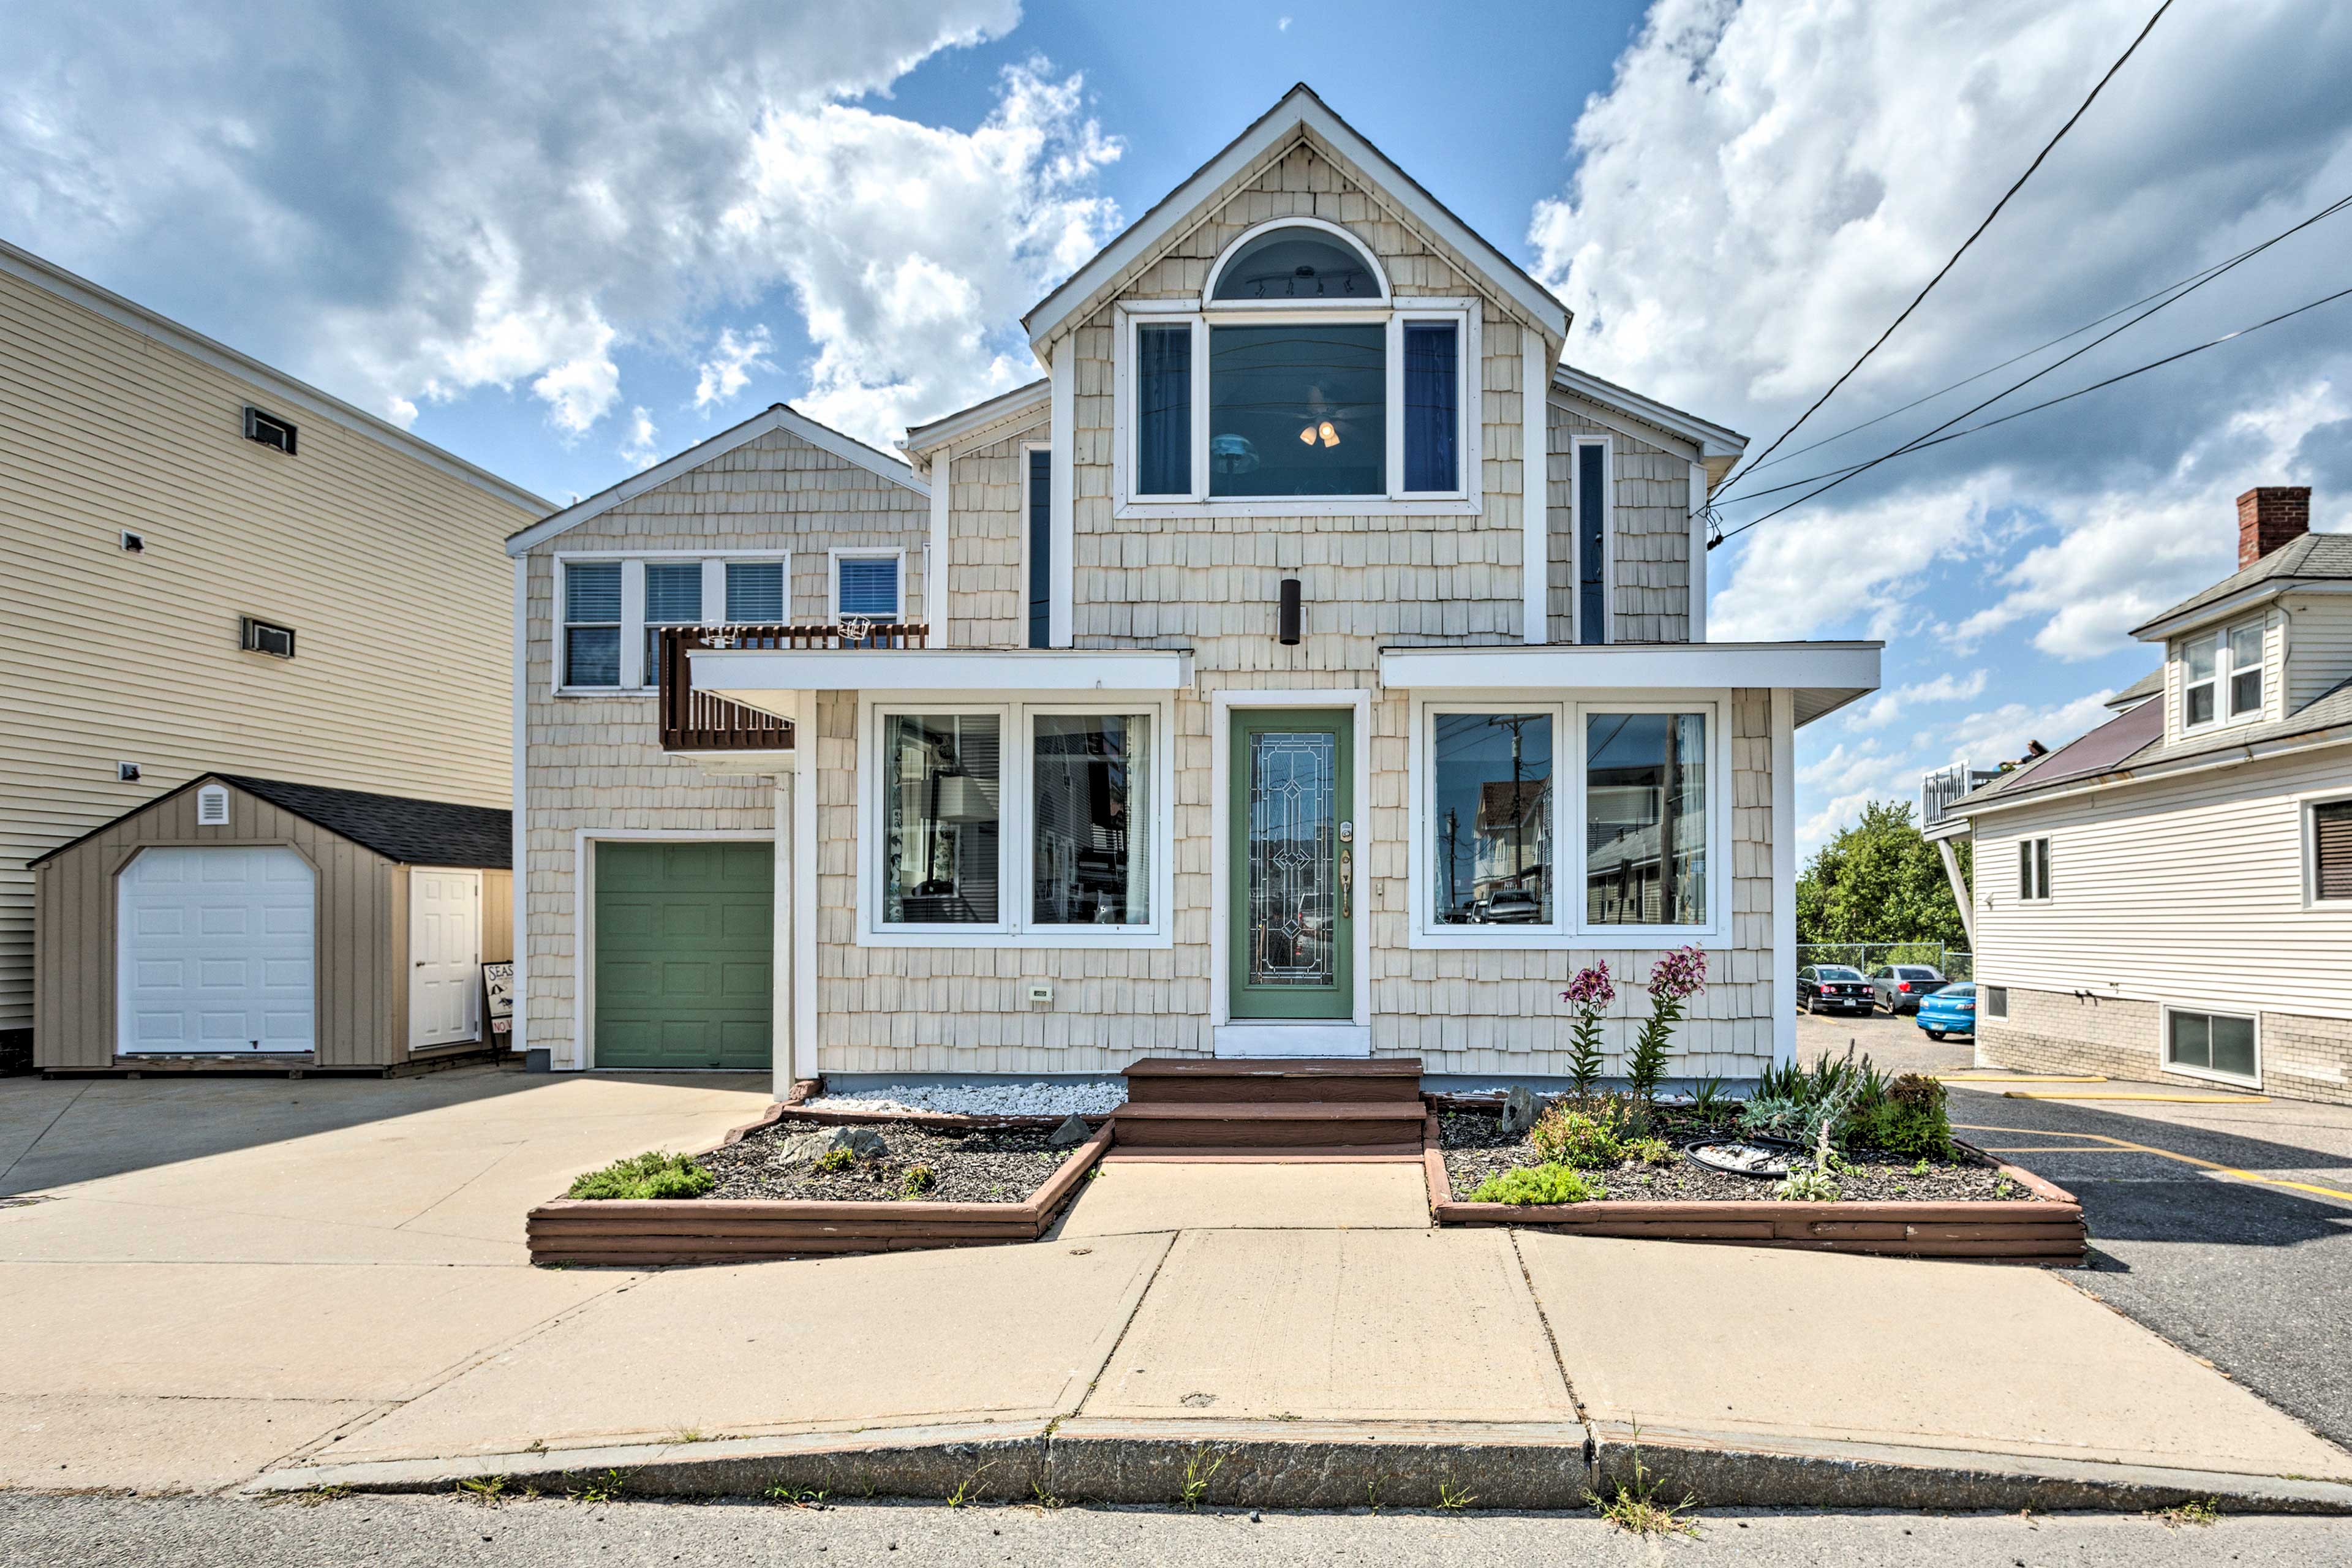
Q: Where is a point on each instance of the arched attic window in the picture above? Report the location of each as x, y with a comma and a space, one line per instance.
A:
1301, 375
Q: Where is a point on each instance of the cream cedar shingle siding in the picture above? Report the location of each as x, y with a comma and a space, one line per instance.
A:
988, 531
387, 565
2187, 891
596, 763
1649, 591
1209, 584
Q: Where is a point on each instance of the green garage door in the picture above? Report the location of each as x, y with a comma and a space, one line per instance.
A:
685, 944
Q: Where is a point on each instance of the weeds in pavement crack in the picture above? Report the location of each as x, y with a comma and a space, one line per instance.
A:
1638, 1510
1198, 1474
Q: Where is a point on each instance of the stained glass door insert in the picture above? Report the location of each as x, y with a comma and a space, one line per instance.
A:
1293, 861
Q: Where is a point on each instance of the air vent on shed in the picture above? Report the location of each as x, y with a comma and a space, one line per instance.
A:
268, 429
261, 636
212, 807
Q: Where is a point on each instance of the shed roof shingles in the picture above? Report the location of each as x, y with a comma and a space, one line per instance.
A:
396, 826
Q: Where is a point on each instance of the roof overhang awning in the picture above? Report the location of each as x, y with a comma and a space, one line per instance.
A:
770, 679
1825, 676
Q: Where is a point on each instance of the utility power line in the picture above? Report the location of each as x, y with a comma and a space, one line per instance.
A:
1839, 477
1971, 239
2068, 396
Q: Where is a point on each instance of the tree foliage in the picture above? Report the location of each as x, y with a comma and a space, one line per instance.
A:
1880, 880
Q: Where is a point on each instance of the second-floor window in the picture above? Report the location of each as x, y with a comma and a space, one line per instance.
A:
2222, 677
613, 610
1300, 375
866, 583
2034, 870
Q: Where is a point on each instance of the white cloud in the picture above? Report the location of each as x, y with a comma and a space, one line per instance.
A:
408, 207
1905, 702
640, 448
1998, 735
728, 369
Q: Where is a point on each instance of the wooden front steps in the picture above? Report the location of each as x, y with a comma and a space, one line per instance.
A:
1304, 1109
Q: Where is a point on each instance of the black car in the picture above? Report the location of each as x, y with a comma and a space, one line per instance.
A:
1834, 988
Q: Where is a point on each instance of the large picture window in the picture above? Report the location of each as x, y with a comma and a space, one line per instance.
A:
1033, 823
1645, 819
1490, 838
1516, 845
1299, 409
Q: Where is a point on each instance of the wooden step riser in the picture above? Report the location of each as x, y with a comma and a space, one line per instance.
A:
1210, 1132
1264, 1091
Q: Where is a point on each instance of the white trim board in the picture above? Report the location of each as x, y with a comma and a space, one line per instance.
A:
952, 429
755, 677
1299, 111
1841, 665
777, 417
1716, 444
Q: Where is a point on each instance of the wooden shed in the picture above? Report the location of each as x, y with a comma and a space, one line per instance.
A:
248, 923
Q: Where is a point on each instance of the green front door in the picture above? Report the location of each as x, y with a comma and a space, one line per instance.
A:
685, 955
1292, 949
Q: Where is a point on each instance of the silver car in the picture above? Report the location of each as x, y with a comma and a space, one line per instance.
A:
1902, 986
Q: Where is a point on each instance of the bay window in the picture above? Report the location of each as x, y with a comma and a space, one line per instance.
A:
1297, 373
1510, 851
1033, 823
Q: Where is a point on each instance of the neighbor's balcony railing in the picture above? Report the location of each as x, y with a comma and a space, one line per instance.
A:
695, 721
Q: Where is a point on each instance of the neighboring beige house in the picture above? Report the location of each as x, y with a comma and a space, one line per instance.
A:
2170, 896
1161, 706
212, 567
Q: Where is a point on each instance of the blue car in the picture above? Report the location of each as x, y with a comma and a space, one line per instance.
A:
1951, 1010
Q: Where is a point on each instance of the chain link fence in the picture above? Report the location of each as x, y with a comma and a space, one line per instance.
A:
1951, 963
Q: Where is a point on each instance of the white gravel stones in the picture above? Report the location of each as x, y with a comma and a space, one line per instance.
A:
1079, 1096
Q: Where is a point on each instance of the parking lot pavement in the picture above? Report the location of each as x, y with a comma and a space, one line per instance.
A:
2249, 1264
1896, 1045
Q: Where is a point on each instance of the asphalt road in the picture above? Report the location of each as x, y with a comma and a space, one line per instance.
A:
1896, 1045
2255, 1277
436, 1532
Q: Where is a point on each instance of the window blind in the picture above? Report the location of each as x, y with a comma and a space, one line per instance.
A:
869, 585
2332, 850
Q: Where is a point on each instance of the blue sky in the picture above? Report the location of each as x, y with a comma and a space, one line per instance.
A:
566, 240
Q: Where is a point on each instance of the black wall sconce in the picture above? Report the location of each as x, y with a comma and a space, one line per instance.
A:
1291, 612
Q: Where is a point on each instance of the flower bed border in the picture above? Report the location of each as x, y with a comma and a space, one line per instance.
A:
2045, 1232
644, 1233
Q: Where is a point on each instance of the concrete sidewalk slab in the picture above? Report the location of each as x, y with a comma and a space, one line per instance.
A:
1126, 1198
1765, 1345
1369, 1325
69, 1442
81, 1229
334, 1332
984, 1333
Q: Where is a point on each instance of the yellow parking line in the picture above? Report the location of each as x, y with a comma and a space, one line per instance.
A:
2057, 1149
2121, 1145
2163, 1098
2014, 1078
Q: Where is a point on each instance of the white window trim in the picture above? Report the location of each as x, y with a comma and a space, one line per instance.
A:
1465, 500
1028, 450
1569, 928
2308, 815
633, 607
1576, 535
1015, 791
2046, 868
2164, 1046
2224, 670
834, 558
1209, 300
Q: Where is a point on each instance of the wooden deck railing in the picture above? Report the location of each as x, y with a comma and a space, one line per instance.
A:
695, 721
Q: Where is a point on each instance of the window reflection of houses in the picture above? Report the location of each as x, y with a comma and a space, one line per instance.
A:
1512, 848
1091, 868
1645, 821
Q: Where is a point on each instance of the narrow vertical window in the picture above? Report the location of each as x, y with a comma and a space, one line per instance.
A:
1490, 825
672, 598
591, 623
940, 801
1164, 410
2245, 671
1041, 548
755, 593
1432, 407
1591, 537
2200, 671
1091, 822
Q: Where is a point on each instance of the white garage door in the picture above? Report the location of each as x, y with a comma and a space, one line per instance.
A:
215, 951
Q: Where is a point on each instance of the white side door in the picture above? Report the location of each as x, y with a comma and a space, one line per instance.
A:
215, 951
444, 957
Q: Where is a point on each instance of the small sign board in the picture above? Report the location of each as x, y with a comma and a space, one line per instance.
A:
498, 997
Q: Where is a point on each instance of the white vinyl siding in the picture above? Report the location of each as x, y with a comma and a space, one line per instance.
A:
2188, 892
2318, 647
389, 566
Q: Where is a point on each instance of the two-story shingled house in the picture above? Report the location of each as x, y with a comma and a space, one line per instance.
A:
2170, 896
1310, 664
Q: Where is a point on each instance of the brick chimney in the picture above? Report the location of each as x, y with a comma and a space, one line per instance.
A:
2269, 516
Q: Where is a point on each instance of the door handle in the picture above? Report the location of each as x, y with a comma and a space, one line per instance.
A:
1347, 884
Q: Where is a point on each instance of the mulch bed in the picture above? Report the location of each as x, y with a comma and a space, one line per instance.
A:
1475, 1147
977, 1165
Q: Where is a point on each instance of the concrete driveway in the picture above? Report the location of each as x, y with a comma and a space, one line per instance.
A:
201, 1275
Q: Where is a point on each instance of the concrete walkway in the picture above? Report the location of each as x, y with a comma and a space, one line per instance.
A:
271, 1281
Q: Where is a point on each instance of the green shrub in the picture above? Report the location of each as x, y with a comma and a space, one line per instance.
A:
1911, 1119
658, 1174
1584, 1139
1547, 1183
920, 1179
1805, 1185
1774, 1116
1711, 1104
832, 1161
1650, 1151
